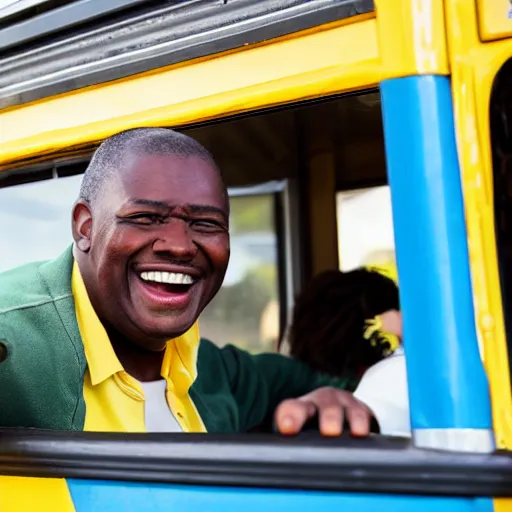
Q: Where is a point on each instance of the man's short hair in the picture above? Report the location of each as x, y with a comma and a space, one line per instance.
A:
109, 157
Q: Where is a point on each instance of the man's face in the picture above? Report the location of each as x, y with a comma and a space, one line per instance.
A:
158, 246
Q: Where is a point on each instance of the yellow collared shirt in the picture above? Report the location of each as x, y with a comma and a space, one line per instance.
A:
114, 400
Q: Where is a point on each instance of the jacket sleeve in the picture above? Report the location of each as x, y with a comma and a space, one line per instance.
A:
259, 383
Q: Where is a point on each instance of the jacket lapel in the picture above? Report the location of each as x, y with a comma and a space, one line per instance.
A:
56, 274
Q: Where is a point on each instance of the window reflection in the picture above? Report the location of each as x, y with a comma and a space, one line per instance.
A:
35, 224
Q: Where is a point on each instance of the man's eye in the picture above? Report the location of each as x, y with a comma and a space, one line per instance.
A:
206, 225
145, 218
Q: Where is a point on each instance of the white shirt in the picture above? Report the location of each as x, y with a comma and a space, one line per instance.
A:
383, 389
157, 415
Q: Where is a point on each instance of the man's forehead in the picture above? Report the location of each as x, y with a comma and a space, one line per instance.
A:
172, 179
141, 161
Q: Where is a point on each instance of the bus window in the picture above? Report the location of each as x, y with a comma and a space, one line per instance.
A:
501, 137
288, 172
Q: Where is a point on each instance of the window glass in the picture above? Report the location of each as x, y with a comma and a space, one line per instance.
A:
35, 220
365, 229
245, 312
35, 224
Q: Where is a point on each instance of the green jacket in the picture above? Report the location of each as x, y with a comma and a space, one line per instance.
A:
42, 372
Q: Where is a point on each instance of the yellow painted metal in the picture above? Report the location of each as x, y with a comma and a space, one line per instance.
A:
406, 38
328, 60
20, 494
494, 19
412, 37
474, 66
502, 505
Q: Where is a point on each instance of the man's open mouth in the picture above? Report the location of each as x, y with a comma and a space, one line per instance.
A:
167, 288
176, 282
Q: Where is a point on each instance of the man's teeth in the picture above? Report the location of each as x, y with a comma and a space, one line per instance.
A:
167, 277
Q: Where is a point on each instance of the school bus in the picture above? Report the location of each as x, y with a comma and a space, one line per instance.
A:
308, 106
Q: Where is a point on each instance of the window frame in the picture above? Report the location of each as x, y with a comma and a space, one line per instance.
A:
381, 465
289, 237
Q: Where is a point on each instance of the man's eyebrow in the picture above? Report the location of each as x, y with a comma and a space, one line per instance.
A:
194, 208
202, 208
150, 202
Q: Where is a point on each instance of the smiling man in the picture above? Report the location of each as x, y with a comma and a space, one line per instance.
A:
105, 337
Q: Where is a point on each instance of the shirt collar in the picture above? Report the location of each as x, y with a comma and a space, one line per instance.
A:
180, 360
101, 358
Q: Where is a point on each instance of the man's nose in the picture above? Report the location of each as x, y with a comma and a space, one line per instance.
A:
175, 239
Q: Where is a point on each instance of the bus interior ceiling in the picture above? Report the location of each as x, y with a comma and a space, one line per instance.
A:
267, 146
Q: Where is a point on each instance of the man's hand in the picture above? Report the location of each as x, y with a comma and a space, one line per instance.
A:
332, 405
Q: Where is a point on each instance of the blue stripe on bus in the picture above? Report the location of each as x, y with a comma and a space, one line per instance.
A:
93, 496
447, 383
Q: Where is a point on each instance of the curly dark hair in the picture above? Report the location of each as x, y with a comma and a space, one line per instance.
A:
329, 316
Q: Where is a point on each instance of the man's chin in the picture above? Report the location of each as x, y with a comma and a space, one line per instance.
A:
165, 328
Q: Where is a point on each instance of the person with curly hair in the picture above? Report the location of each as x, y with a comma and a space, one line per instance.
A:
336, 323
348, 325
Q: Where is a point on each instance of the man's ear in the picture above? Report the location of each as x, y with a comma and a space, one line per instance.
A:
82, 225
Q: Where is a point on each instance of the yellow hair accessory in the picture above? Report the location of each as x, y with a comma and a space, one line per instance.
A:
374, 326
